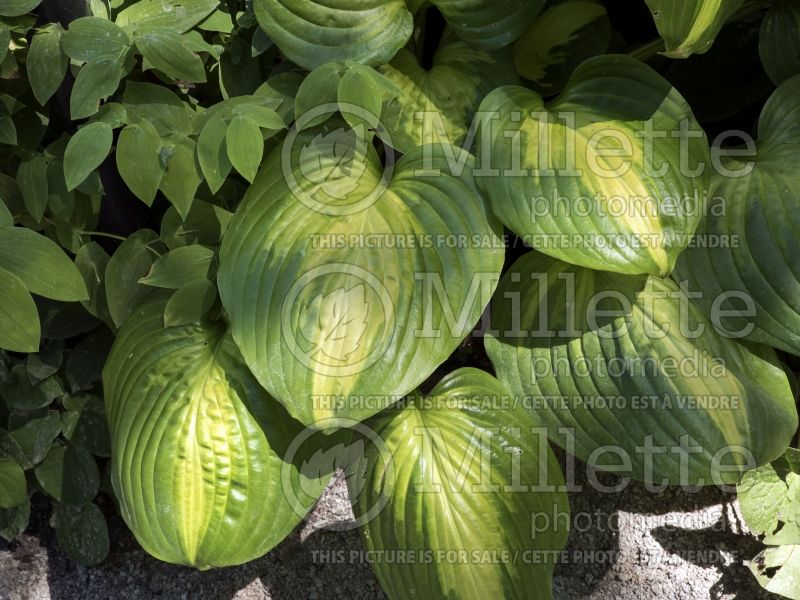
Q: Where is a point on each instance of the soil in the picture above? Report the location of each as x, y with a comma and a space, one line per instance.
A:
674, 545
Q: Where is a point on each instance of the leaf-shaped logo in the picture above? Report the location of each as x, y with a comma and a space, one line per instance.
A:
335, 322
334, 162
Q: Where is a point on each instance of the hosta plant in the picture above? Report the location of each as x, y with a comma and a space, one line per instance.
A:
247, 244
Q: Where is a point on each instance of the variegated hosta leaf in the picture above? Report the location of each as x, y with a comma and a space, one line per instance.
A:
744, 268
489, 24
559, 40
634, 371
609, 175
467, 470
437, 104
690, 26
346, 287
197, 445
779, 41
312, 32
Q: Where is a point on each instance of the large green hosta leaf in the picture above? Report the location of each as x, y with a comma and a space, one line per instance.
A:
690, 26
437, 104
467, 479
312, 32
559, 40
489, 24
197, 445
628, 362
606, 176
346, 287
779, 41
745, 266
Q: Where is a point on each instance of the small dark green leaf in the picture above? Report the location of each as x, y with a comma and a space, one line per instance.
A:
13, 487
6, 219
139, 159
180, 267
84, 366
82, 532
8, 131
212, 152
95, 39
46, 63
164, 51
95, 82
190, 303
155, 103
35, 436
183, 176
46, 362
245, 146
41, 265
85, 151
16, 8
92, 261
14, 521
19, 321
318, 91
19, 393
160, 15
360, 97
69, 474
85, 425
32, 180
130, 263
263, 115
204, 224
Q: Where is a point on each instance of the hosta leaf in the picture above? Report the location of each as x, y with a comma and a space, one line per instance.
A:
179, 267
489, 24
437, 105
212, 152
84, 420
91, 260
19, 321
630, 363
770, 499
197, 445
182, 176
46, 63
32, 181
559, 40
319, 92
155, 103
13, 487
190, 303
14, 521
465, 472
245, 145
315, 32
125, 269
159, 15
317, 319
92, 39
69, 474
605, 176
34, 437
40, 264
85, 151
139, 159
745, 268
360, 96
19, 393
95, 82
16, 8
779, 41
81, 532
166, 52
777, 569
690, 26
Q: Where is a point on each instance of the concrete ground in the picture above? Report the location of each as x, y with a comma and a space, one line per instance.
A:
626, 546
